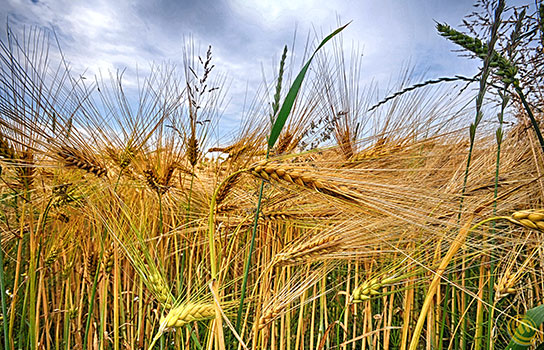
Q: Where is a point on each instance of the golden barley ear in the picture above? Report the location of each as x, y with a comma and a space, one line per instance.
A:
269, 315
531, 218
345, 142
284, 173
307, 250
7, 152
277, 216
505, 285
167, 177
78, 159
192, 150
284, 142
26, 169
122, 158
226, 189
23, 162
152, 179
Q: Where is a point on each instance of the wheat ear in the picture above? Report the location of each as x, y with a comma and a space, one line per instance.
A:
75, 158
227, 187
188, 312
373, 287
531, 218
152, 180
282, 173
307, 250
159, 289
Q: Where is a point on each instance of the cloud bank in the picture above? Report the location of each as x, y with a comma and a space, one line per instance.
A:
247, 36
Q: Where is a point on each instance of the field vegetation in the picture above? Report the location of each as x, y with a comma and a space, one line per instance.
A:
332, 219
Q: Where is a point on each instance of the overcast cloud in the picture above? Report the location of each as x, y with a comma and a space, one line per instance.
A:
108, 35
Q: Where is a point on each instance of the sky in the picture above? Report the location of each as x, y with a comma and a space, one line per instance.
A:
247, 37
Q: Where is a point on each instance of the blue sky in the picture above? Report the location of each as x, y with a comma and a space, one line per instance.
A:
247, 36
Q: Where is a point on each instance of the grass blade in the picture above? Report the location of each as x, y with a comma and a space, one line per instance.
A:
293, 92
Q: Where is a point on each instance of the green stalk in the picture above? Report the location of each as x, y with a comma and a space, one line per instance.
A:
67, 315
248, 260
279, 122
275, 108
472, 132
118, 178
491, 289
116, 283
211, 228
3, 299
91, 304
103, 314
530, 114
22, 334
16, 285
444, 313
160, 212
190, 195
195, 339
33, 337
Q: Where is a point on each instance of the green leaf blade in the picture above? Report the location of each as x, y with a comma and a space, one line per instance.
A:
289, 101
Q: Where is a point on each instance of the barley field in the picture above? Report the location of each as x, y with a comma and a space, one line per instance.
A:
333, 218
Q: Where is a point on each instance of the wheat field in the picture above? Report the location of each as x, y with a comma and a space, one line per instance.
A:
413, 222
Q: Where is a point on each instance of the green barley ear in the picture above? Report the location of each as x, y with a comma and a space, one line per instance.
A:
186, 313
505, 69
156, 284
276, 103
471, 44
373, 287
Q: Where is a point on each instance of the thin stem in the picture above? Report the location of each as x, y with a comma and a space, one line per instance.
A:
491, 283
248, 261
160, 212
211, 224
531, 116
91, 304
118, 178
3, 299
190, 195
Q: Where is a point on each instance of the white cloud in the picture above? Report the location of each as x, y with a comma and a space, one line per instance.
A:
102, 35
